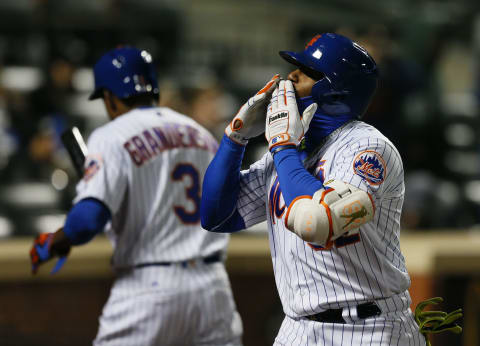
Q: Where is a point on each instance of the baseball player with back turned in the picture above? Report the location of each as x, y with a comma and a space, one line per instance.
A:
331, 189
143, 175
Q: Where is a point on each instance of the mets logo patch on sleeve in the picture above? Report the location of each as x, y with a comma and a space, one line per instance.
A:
370, 166
92, 166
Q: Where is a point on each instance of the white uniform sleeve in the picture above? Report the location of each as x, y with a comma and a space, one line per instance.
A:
252, 197
105, 176
371, 164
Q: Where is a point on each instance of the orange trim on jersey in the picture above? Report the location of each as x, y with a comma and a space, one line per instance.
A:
373, 203
320, 168
291, 205
285, 95
273, 205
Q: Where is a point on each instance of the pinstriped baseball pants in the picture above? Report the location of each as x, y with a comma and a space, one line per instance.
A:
171, 305
399, 329
395, 326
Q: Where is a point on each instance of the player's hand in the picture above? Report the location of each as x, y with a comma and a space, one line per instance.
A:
44, 249
284, 124
248, 122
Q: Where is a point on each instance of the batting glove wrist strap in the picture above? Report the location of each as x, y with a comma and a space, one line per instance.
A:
279, 148
248, 122
44, 249
284, 124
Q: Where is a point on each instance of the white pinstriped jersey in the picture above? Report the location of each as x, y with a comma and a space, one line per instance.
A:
147, 167
364, 264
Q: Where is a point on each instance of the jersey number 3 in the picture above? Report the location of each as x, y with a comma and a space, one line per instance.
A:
192, 193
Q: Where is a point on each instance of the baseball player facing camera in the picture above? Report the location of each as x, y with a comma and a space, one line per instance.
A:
331, 189
143, 175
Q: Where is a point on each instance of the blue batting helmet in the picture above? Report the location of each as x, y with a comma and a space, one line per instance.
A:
125, 71
346, 73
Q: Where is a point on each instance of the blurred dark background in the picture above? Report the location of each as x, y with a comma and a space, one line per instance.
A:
211, 56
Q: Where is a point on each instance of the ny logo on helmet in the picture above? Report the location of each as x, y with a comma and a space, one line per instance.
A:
312, 41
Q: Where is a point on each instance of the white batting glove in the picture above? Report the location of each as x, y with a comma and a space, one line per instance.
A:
284, 125
248, 122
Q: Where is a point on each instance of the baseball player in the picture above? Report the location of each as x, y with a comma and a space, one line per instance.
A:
331, 189
143, 177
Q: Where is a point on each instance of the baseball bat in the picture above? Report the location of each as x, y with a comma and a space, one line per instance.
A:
77, 149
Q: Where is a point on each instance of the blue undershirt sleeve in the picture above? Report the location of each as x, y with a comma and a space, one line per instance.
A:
294, 179
221, 186
85, 220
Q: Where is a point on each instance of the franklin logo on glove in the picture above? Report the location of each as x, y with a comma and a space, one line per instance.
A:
277, 116
284, 125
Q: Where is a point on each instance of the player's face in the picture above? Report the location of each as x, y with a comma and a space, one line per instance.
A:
302, 82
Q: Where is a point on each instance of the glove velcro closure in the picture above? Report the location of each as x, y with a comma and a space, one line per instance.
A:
281, 139
234, 135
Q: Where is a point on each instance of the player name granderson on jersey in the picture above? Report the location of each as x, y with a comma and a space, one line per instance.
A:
143, 146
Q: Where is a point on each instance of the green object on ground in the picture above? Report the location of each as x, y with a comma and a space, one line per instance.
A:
433, 322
